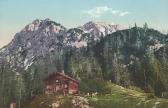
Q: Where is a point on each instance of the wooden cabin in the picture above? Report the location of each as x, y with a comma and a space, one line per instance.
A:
59, 83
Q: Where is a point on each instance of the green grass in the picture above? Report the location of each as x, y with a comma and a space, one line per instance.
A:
114, 97
126, 98
45, 101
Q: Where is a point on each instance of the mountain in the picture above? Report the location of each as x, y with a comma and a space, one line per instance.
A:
98, 29
38, 38
90, 32
136, 56
97, 51
42, 37
77, 38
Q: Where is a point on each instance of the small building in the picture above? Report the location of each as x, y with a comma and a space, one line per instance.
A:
59, 83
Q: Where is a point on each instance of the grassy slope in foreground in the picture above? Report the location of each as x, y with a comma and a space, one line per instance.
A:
118, 98
126, 98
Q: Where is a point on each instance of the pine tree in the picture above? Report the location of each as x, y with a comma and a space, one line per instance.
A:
145, 27
135, 25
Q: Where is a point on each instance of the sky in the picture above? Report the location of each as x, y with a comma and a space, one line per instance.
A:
16, 14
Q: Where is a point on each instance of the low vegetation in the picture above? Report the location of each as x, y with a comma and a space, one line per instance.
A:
118, 97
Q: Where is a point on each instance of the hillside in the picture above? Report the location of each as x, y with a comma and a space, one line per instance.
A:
119, 97
135, 56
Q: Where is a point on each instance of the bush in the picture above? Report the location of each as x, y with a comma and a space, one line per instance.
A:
136, 88
90, 85
150, 95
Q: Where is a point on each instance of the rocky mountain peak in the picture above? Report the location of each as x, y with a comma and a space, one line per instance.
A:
99, 29
37, 39
42, 37
45, 25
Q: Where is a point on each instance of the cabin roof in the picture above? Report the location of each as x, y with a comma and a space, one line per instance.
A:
61, 74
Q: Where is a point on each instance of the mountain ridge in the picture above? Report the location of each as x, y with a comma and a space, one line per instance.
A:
43, 36
129, 57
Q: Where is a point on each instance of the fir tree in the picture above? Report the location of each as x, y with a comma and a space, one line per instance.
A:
145, 27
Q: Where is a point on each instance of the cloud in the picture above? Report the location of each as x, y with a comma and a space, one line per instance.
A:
99, 11
124, 13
